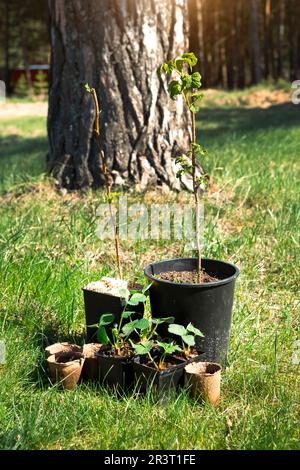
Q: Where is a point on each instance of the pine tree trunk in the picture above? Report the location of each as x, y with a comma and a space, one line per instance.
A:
230, 44
116, 47
267, 37
240, 44
7, 45
294, 36
255, 43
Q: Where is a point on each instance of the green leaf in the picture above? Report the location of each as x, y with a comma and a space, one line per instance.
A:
196, 80
87, 87
142, 324
114, 332
190, 58
127, 313
176, 329
129, 327
179, 64
196, 99
174, 89
159, 321
194, 109
106, 319
186, 81
189, 340
124, 293
102, 335
142, 348
135, 299
194, 330
169, 348
167, 67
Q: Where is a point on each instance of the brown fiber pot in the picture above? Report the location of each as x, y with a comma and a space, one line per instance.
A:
204, 379
66, 367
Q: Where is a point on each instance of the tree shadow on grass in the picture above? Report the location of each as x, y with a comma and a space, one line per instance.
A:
14, 146
22, 156
221, 121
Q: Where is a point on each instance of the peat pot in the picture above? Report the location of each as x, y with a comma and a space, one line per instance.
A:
204, 380
207, 306
66, 367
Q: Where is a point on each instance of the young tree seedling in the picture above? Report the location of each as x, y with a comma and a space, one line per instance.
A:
187, 336
107, 177
186, 83
146, 347
120, 335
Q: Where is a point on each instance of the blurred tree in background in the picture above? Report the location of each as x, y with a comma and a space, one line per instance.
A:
24, 38
239, 42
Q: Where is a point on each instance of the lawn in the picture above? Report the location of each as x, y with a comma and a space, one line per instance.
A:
49, 250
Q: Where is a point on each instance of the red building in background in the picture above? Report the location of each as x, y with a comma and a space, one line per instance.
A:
17, 73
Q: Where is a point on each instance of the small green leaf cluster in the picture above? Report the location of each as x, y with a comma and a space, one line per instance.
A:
149, 342
187, 335
187, 83
187, 168
121, 331
146, 336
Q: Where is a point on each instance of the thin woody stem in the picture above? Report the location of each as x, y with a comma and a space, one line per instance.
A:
196, 196
108, 183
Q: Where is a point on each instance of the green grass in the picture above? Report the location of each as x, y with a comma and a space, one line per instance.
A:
48, 251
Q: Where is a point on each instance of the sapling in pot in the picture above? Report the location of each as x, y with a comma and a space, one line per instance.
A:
160, 363
195, 290
163, 372
115, 358
188, 340
104, 295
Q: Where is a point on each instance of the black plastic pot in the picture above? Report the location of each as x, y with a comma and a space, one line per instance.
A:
146, 377
96, 304
207, 306
115, 372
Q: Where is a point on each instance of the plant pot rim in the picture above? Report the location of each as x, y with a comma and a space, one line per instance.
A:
53, 360
180, 364
148, 271
102, 351
205, 374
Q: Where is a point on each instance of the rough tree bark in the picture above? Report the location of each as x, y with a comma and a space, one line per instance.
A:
115, 46
255, 44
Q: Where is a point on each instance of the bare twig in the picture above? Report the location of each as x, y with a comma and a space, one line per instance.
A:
196, 197
108, 179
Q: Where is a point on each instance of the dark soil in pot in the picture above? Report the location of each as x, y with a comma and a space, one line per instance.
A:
208, 306
187, 277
